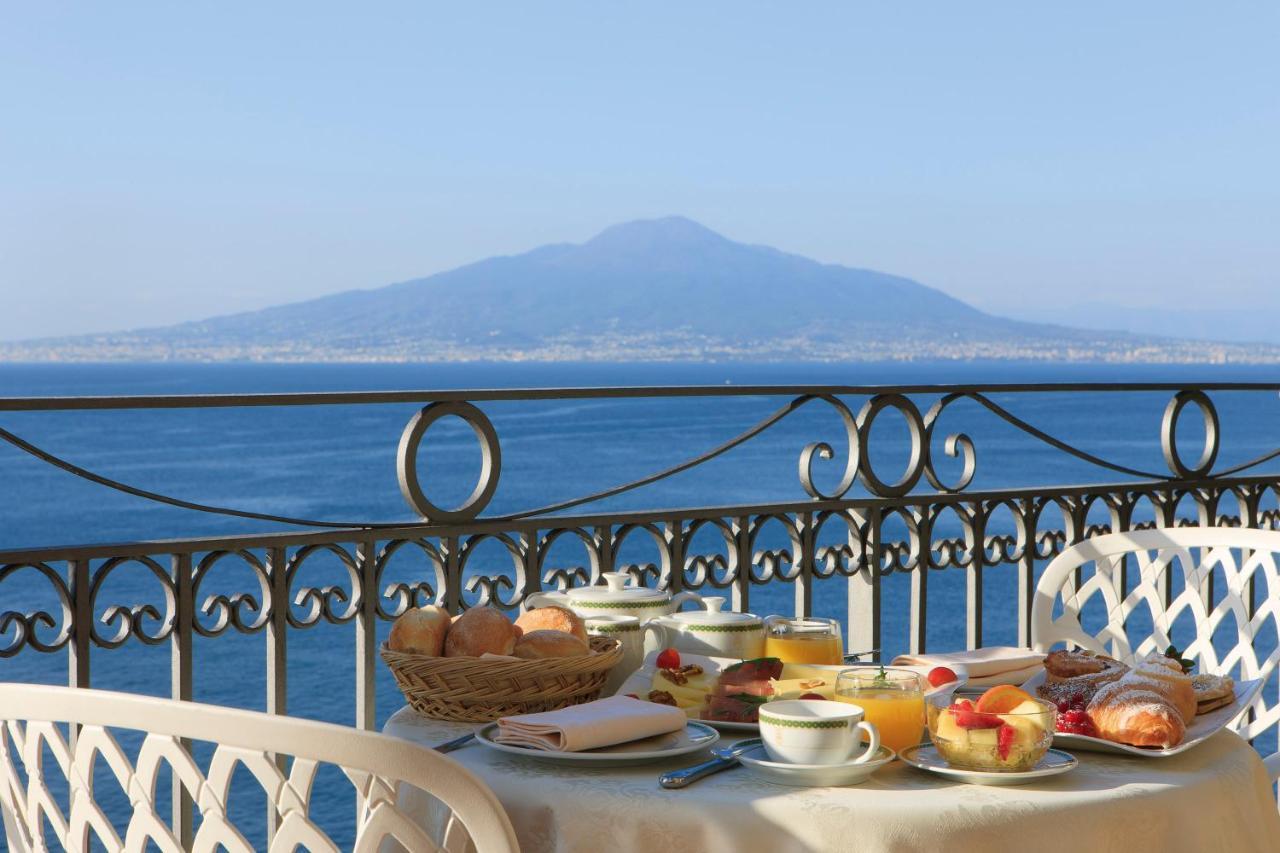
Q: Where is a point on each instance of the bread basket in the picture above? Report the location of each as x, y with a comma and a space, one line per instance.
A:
479, 690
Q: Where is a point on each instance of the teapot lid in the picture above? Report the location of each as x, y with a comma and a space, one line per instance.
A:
616, 592
713, 615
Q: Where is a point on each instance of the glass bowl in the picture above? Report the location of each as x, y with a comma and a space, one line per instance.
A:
1011, 741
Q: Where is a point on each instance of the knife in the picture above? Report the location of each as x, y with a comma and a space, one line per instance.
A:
451, 745
725, 758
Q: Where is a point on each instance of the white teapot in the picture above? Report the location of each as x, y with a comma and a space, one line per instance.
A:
615, 598
713, 632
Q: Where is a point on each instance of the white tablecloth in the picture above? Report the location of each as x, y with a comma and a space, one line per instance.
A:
1214, 797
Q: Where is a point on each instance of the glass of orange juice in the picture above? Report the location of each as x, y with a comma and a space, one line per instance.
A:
891, 699
803, 640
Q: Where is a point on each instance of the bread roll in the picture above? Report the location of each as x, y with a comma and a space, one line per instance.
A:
553, 618
480, 630
421, 630
537, 645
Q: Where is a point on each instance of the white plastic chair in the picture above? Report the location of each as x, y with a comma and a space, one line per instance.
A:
374, 764
1216, 566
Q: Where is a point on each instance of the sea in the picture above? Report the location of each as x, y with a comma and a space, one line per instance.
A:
337, 463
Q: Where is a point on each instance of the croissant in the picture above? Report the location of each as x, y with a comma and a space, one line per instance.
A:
1134, 710
1171, 683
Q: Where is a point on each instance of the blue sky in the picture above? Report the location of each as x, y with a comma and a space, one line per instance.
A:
161, 162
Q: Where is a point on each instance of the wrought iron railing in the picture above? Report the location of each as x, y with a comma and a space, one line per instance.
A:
865, 529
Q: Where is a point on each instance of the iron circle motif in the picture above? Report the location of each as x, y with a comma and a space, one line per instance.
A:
823, 450
1169, 438
490, 461
915, 464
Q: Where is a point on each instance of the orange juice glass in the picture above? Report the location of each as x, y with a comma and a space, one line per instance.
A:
809, 640
891, 699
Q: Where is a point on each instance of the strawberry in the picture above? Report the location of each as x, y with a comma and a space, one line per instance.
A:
1004, 740
940, 675
967, 718
668, 659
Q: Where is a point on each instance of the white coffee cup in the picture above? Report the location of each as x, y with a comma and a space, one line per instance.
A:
630, 632
816, 731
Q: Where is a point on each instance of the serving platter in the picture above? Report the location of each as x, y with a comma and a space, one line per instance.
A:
1203, 727
695, 736
640, 681
926, 757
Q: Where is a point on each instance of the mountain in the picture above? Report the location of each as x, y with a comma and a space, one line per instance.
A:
652, 289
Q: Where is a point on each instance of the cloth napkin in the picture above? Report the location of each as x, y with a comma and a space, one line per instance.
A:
987, 667
604, 722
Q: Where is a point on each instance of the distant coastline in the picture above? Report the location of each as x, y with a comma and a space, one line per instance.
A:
1114, 349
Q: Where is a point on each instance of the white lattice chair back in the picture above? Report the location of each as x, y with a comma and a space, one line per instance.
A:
1220, 571
374, 764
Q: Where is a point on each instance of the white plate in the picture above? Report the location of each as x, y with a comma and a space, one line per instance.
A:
692, 738
812, 775
925, 757
641, 680
1203, 727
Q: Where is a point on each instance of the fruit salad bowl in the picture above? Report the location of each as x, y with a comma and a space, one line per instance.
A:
1004, 730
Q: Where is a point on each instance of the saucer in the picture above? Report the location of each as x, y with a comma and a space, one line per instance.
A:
812, 775
926, 757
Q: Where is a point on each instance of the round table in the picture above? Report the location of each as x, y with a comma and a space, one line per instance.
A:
1214, 797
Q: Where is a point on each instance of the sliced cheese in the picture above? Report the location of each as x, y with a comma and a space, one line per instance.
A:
794, 688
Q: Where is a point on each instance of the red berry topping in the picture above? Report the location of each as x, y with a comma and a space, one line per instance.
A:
668, 659
1004, 740
812, 696
940, 675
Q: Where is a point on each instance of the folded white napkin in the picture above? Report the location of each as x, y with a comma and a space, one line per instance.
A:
604, 722
987, 667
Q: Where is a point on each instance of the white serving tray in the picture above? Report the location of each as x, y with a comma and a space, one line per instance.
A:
1203, 727
640, 680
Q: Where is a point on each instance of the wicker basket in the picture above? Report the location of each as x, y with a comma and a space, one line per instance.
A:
475, 690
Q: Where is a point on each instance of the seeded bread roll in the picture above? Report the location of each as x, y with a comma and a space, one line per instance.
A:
553, 618
421, 630
481, 630
537, 645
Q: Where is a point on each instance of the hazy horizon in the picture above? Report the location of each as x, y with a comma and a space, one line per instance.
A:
1083, 164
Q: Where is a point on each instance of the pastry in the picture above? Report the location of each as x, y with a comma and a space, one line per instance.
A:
481, 630
1212, 692
420, 630
1168, 679
1062, 665
1073, 677
1133, 710
553, 618
537, 645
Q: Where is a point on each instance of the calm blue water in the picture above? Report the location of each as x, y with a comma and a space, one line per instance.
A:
338, 463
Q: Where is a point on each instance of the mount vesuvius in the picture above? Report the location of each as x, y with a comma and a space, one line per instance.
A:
661, 289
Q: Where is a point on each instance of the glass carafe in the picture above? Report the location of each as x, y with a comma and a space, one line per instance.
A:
803, 640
